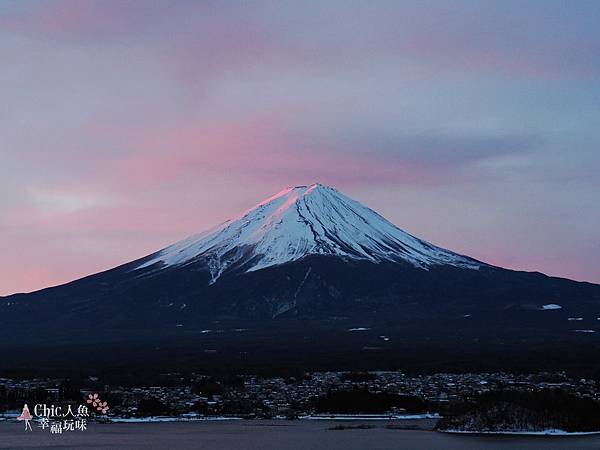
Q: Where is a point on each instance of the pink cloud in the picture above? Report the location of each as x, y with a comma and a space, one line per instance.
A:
199, 39
257, 148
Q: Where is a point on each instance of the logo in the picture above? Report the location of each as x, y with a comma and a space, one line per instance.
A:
58, 419
26, 416
97, 403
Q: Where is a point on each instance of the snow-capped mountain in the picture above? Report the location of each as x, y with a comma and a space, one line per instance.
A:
306, 277
301, 221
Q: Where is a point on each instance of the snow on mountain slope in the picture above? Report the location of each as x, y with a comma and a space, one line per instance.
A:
301, 221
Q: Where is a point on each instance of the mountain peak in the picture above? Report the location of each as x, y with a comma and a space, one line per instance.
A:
304, 189
300, 221
309, 186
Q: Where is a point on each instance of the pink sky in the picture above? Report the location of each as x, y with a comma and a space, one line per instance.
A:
126, 125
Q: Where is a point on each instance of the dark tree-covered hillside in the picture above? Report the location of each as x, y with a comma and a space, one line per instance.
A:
527, 411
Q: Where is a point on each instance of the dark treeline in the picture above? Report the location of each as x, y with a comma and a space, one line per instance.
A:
525, 411
363, 401
146, 364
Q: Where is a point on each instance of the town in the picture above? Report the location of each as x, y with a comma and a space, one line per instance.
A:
393, 394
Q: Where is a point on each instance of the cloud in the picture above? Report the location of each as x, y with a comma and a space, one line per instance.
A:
539, 39
428, 150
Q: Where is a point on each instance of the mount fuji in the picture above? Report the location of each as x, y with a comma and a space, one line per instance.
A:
307, 277
298, 222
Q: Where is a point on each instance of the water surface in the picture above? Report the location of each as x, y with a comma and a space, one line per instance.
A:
276, 435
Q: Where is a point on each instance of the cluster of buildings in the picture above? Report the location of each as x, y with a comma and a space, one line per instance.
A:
260, 397
293, 397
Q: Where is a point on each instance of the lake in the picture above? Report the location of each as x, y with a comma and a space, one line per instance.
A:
275, 435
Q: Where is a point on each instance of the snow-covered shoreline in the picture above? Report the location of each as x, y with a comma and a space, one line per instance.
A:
550, 432
369, 416
154, 419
